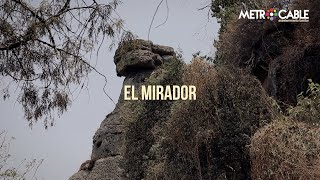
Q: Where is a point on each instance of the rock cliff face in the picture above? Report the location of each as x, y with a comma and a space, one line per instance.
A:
123, 136
203, 139
210, 138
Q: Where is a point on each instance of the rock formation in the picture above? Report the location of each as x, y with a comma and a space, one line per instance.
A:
140, 62
210, 138
207, 138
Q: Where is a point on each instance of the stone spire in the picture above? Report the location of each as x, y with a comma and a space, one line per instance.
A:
135, 60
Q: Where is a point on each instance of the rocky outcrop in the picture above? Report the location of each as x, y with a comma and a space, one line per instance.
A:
207, 138
210, 138
117, 140
104, 168
140, 56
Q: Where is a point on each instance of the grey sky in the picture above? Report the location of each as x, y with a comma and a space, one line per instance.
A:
66, 145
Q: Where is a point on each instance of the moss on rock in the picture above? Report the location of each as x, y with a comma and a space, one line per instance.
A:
139, 136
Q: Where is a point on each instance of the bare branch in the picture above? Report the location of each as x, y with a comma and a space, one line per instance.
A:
205, 7
167, 16
154, 15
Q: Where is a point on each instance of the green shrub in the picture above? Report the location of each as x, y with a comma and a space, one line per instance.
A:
308, 106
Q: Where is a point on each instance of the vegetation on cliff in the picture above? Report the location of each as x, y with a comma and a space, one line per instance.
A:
142, 130
208, 138
283, 56
289, 147
256, 112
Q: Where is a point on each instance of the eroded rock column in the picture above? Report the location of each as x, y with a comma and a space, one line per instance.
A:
136, 61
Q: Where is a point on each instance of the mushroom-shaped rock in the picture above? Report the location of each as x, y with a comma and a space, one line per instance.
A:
140, 55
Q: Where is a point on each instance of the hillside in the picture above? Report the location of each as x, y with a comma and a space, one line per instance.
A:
256, 115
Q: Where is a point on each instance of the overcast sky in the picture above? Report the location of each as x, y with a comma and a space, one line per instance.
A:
66, 145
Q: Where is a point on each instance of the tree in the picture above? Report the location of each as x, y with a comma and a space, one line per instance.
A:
26, 169
223, 10
43, 47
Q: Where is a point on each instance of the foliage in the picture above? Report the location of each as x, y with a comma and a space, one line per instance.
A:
224, 10
226, 13
147, 118
43, 48
198, 55
289, 147
27, 169
208, 138
281, 55
308, 106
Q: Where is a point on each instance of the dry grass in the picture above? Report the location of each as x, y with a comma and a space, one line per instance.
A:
208, 138
286, 149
